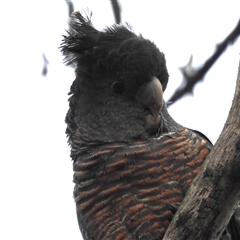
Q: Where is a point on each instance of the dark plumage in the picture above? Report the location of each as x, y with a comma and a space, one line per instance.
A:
132, 162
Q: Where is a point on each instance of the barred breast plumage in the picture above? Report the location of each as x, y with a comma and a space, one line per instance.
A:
123, 191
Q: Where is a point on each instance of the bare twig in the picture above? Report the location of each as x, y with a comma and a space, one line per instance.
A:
45, 65
70, 7
116, 11
192, 75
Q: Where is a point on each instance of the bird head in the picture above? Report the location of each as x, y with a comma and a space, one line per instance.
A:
120, 78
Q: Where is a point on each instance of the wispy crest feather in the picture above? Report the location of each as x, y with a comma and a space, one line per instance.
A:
82, 36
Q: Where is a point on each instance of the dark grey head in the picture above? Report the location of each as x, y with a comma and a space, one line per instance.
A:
120, 79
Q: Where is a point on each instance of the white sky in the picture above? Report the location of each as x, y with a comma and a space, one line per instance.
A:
35, 169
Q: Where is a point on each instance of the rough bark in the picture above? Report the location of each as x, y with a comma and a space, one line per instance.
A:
213, 195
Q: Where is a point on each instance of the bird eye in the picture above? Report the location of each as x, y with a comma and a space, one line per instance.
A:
118, 87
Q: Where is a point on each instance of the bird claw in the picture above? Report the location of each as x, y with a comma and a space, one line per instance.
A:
173, 207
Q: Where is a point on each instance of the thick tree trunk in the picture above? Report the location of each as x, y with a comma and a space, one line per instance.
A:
213, 195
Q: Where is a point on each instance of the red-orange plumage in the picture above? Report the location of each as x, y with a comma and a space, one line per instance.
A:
133, 184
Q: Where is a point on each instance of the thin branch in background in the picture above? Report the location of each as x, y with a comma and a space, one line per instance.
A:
46, 62
45, 65
116, 11
70, 7
191, 75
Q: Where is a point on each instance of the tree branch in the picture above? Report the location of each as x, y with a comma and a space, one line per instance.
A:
70, 7
116, 10
214, 193
191, 75
45, 65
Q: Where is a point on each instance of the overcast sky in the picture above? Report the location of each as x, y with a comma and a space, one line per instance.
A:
35, 168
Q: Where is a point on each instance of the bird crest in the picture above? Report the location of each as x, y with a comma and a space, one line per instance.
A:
115, 50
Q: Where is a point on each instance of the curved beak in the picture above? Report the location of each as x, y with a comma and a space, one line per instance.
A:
151, 96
